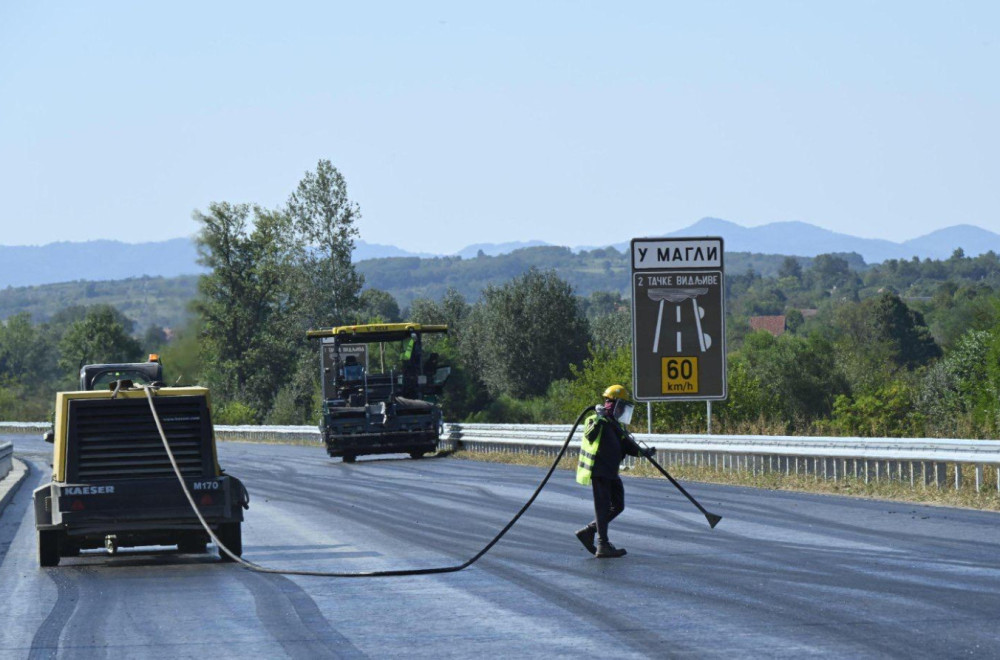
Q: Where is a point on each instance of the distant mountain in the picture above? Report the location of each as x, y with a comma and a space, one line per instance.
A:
805, 240
495, 249
941, 244
96, 260
114, 260
364, 250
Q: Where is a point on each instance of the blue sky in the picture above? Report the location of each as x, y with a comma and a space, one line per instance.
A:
457, 123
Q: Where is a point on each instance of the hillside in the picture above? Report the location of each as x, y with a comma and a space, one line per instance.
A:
602, 269
163, 301
149, 301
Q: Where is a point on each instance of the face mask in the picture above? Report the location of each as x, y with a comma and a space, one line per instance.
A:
623, 412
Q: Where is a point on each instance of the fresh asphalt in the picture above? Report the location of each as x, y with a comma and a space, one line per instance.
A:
783, 575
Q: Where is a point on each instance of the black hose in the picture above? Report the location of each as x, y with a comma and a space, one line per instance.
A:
393, 573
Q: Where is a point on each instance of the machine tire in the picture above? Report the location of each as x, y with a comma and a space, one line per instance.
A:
48, 548
231, 536
350, 458
416, 454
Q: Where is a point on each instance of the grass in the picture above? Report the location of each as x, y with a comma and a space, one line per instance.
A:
967, 497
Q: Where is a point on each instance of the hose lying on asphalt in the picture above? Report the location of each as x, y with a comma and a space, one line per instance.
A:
393, 573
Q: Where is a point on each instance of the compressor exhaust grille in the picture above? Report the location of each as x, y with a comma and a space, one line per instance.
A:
117, 439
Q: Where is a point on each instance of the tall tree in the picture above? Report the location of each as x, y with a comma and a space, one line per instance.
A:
322, 217
904, 329
790, 267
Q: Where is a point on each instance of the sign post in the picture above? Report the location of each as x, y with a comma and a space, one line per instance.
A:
678, 319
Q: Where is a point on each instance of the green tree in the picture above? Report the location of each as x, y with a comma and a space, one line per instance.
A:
103, 335
464, 393
602, 303
377, 304
790, 267
154, 339
525, 334
610, 332
322, 218
830, 271
245, 306
903, 329
182, 357
889, 411
798, 375
22, 349
794, 320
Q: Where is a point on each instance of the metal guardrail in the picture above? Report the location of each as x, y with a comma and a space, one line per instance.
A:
6, 458
23, 428
222, 432
917, 461
307, 434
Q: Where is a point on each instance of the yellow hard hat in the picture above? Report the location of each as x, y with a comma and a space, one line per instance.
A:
616, 392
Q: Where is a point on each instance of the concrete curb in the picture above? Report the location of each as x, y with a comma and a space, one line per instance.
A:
10, 483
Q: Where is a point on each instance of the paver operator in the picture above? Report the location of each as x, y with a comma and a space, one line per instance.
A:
605, 442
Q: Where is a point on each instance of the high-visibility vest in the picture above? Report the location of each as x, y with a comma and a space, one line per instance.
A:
592, 429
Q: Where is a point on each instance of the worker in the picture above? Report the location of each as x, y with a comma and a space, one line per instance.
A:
353, 371
605, 442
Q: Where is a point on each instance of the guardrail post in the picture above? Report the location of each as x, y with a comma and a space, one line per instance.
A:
958, 476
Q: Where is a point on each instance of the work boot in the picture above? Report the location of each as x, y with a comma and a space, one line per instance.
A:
586, 536
608, 551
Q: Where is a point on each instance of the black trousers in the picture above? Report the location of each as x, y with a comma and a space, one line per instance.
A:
609, 501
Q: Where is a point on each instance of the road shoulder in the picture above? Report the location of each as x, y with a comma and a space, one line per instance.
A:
10, 483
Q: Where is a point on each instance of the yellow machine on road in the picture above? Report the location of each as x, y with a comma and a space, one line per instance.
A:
378, 389
112, 482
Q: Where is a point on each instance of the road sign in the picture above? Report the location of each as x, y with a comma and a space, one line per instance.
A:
678, 319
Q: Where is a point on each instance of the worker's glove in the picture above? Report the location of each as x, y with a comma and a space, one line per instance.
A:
648, 452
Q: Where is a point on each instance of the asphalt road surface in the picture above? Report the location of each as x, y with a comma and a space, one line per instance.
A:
783, 575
